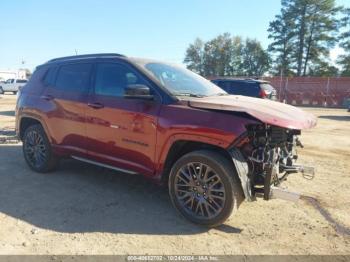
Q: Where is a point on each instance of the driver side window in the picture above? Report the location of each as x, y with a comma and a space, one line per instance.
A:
112, 79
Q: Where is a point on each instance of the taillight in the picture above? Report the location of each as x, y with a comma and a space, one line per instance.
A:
262, 93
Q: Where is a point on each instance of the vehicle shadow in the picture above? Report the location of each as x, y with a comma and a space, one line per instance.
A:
83, 198
338, 118
7, 113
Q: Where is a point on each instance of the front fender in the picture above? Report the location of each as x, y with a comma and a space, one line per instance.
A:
162, 153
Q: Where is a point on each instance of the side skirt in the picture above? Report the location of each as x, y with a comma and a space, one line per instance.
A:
104, 165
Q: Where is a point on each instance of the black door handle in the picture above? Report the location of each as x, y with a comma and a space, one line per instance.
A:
47, 97
96, 105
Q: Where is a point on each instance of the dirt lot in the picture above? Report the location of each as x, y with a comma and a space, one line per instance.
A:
82, 209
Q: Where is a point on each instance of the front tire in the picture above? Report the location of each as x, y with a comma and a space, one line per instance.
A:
1, 91
205, 188
37, 150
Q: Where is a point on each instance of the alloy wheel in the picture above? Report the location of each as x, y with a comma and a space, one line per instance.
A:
35, 149
200, 190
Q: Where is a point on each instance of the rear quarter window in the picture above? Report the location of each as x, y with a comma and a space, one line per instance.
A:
50, 76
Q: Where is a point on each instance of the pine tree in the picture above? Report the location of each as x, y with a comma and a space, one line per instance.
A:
280, 30
344, 42
321, 29
303, 34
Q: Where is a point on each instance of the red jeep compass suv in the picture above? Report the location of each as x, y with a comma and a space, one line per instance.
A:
148, 117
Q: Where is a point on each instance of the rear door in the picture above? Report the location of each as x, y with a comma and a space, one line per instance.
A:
66, 96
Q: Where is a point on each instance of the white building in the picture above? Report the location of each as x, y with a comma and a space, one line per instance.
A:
17, 74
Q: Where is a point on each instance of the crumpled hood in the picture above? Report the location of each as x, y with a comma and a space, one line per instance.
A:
267, 111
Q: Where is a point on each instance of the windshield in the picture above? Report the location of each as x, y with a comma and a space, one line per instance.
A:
182, 82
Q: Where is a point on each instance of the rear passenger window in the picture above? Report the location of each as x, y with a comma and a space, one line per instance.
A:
74, 77
112, 79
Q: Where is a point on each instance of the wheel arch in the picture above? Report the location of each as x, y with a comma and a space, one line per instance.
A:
27, 121
181, 147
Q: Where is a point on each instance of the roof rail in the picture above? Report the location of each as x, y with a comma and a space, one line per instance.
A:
84, 56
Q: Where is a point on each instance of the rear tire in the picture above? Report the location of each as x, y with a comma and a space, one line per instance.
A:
37, 150
205, 188
1, 91
14, 92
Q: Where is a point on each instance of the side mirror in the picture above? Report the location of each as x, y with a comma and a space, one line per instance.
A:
138, 92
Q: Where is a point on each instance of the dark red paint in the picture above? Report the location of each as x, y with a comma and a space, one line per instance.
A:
137, 135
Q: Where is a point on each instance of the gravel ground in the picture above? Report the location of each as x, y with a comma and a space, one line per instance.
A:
82, 209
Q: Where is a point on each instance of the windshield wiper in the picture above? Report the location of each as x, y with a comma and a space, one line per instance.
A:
221, 94
189, 94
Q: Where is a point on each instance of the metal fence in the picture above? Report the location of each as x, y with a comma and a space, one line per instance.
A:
313, 91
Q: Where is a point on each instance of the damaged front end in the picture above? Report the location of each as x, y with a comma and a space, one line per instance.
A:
264, 156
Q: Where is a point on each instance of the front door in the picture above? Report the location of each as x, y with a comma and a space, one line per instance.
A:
121, 132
